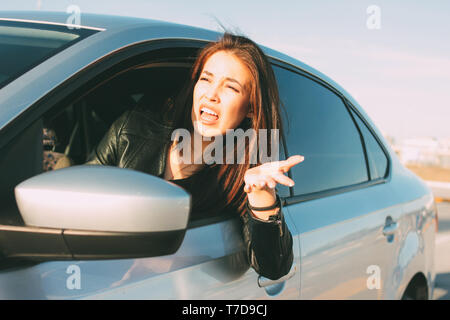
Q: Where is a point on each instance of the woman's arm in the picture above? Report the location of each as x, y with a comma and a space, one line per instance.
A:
266, 235
268, 244
106, 152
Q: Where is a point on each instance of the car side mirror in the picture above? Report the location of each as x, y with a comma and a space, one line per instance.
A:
97, 212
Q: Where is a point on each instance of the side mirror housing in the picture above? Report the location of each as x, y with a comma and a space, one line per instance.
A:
97, 212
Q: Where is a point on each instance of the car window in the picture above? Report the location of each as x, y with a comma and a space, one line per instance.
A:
319, 127
70, 134
20, 159
377, 159
25, 45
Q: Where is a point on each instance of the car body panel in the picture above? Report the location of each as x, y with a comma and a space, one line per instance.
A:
417, 246
341, 238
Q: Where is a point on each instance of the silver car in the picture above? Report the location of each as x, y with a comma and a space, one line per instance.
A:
363, 225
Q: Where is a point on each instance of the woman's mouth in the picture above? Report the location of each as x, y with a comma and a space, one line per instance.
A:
208, 116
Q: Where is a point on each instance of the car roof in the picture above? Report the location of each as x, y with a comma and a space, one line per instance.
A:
107, 22
89, 20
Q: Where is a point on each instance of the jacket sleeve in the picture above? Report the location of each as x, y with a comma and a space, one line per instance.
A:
107, 150
268, 244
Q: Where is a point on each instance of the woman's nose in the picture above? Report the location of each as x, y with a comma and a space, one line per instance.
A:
213, 93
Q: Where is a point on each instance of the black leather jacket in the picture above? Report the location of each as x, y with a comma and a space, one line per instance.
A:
139, 140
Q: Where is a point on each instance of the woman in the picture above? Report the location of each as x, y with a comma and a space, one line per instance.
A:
232, 86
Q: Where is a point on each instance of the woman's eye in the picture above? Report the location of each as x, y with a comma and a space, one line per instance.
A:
234, 89
204, 79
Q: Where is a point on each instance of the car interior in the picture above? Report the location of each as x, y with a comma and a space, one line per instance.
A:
79, 127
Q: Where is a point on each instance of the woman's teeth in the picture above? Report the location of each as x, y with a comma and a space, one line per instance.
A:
209, 111
208, 116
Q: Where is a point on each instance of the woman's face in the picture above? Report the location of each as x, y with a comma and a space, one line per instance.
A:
221, 95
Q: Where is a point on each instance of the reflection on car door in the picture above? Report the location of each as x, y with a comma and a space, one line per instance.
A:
344, 254
210, 264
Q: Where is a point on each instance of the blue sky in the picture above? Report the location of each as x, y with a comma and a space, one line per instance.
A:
399, 73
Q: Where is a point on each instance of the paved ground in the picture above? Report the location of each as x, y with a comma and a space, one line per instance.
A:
442, 258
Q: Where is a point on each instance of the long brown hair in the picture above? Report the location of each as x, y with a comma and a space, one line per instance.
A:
264, 105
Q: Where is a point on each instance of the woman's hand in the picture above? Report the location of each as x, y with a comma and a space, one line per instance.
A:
260, 183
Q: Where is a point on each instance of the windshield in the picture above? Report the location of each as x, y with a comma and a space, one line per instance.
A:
23, 45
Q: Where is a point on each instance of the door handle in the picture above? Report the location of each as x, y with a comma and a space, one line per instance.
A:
390, 229
265, 282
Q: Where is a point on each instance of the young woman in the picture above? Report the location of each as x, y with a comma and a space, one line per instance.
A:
232, 86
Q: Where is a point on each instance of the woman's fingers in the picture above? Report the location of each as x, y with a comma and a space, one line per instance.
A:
287, 164
271, 182
264, 181
260, 183
283, 165
270, 174
281, 178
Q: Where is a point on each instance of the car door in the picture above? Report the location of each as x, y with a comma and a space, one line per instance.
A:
344, 212
210, 264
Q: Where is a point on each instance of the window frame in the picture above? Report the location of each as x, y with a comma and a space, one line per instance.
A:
294, 199
387, 175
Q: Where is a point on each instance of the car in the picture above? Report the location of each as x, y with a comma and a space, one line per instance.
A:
363, 225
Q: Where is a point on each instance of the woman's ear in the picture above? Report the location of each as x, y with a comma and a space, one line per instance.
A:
250, 113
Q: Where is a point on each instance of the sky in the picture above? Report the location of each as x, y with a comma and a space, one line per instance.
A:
394, 58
